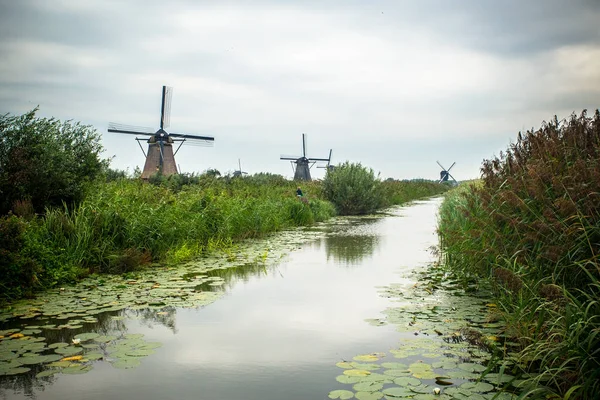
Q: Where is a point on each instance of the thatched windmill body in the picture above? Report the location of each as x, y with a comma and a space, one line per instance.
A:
303, 164
161, 157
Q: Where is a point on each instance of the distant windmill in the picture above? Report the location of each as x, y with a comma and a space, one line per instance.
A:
160, 157
445, 173
328, 165
303, 163
239, 172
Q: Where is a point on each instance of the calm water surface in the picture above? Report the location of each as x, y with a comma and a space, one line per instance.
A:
278, 332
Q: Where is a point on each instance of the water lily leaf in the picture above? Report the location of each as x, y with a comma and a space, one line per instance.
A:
72, 358
134, 335
69, 351
471, 367
139, 352
368, 395
48, 372
341, 394
366, 357
104, 339
58, 345
356, 372
394, 365
368, 386
397, 372
365, 366
478, 387
397, 392
93, 356
52, 357
407, 381
347, 379
33, 360
84, 337
75, 369
126, 363
15, 371
60, 364
341, 364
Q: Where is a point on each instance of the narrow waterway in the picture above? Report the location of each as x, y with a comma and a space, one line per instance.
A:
277, 332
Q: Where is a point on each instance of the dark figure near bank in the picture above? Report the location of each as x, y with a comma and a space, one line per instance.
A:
299, 192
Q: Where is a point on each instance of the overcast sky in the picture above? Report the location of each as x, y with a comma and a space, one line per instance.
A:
393, 84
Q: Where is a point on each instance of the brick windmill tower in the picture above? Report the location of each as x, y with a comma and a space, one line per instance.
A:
161, 157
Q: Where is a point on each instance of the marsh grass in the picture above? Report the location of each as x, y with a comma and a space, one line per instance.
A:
126, 224
532, 227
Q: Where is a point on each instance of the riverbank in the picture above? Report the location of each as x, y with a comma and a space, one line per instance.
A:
126, 224
531, 228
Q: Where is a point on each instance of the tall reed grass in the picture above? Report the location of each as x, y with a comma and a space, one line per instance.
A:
532, 226
124, 224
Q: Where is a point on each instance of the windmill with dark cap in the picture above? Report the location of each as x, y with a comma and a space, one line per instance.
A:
160, 157
303, 163
445, 173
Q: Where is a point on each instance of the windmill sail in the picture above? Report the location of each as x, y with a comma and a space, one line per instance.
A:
160, 157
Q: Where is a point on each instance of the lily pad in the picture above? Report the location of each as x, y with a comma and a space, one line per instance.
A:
69, 351
341, 394
368, 395
48, 372
397, 392
84, 337
367, 386
126, 363
356, 372
478, 387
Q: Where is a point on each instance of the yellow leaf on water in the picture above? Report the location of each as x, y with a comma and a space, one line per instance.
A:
72, 358
356, 372
491, 305
17, 335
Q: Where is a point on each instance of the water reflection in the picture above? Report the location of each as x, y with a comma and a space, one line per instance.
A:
277, 332
350, 250
353, 240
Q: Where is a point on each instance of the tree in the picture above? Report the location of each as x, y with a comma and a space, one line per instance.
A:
46, 161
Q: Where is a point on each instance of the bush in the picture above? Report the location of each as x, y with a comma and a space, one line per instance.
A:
353, 189
18, 271
46, 161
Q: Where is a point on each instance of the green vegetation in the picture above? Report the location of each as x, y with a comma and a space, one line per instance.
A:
66, 215
355, 190
45, 162
532, 226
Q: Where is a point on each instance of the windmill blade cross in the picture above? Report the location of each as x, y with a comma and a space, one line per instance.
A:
165, 107
441, 166
129, 129
451, 166
303, 145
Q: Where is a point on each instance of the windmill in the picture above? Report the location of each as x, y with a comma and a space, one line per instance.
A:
160, 157
445, 173
239, 172
328, 165
303, 163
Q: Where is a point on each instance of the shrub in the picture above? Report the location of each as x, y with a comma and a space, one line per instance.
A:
353, 189
46, 161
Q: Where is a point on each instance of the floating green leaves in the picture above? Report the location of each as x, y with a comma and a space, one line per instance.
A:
450, 336
341, 394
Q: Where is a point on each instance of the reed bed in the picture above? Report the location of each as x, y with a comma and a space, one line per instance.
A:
531, 225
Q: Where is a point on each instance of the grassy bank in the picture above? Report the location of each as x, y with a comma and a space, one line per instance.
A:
125, 224
532, 227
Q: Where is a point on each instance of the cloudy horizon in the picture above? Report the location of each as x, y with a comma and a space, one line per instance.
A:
395, 85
